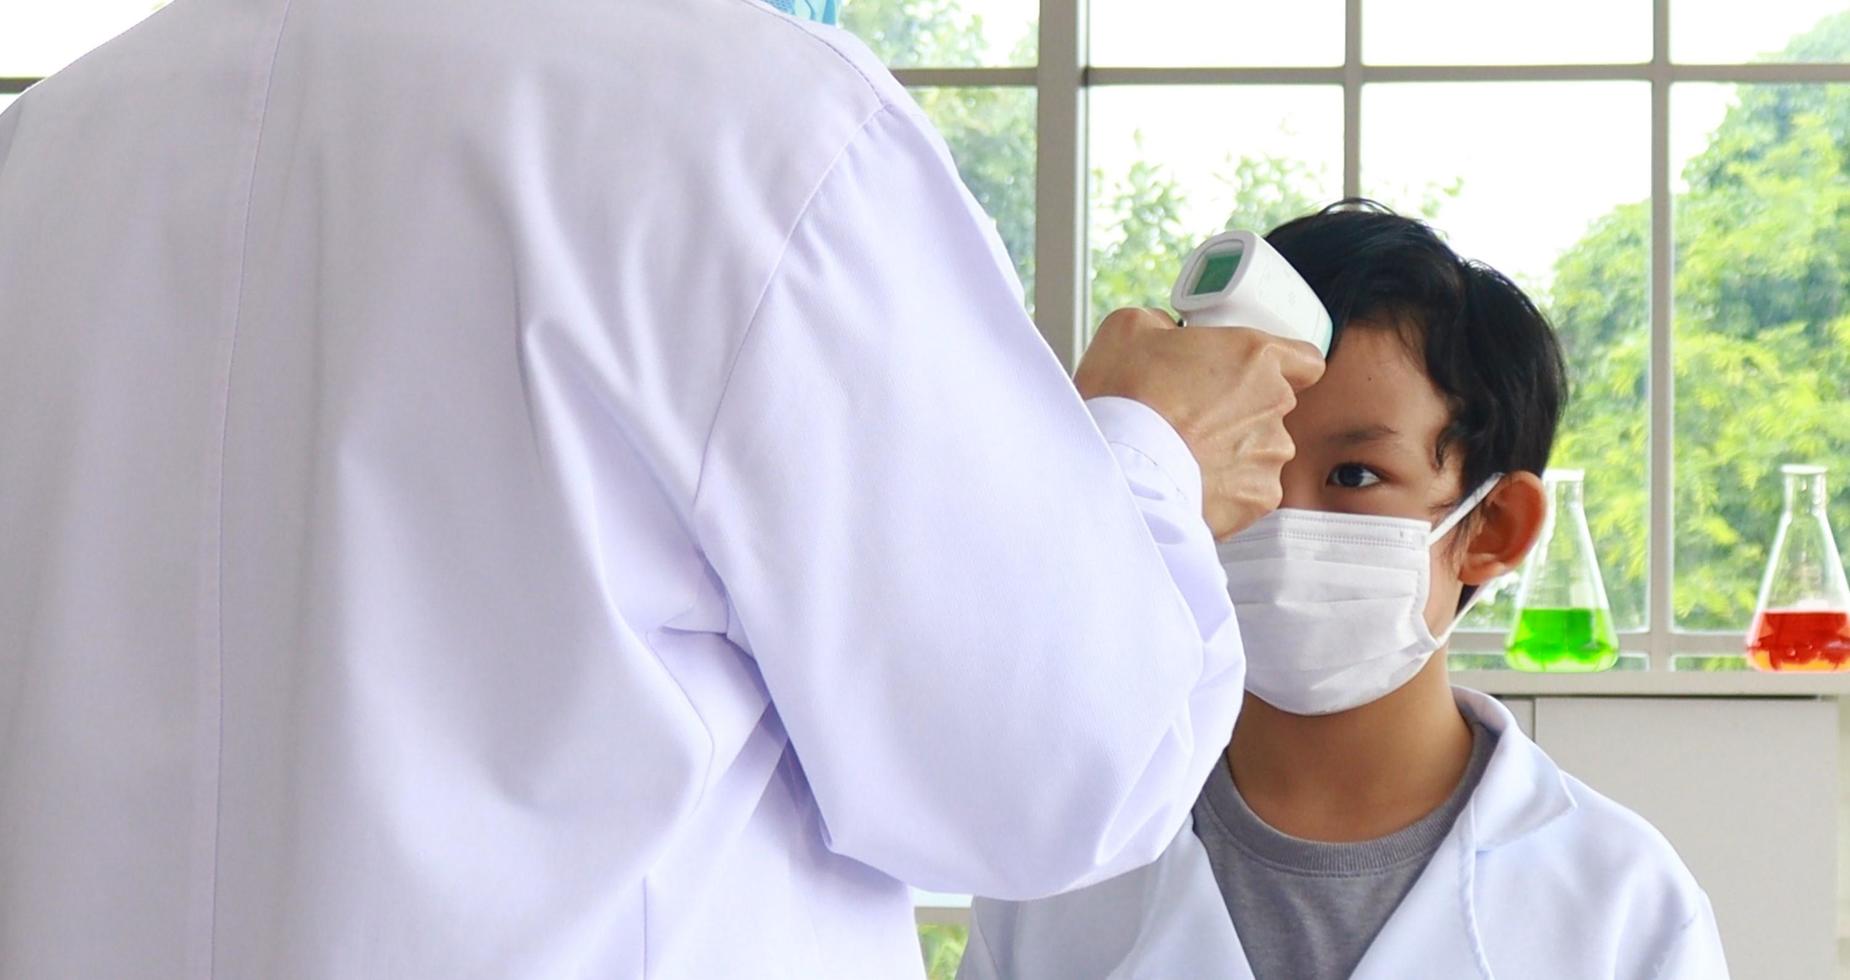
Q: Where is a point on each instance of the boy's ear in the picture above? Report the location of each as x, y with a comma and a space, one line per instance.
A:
1509, 522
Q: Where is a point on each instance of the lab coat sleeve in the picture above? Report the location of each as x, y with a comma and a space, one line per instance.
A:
999, 640
1165, 479
1696, 952
979, 961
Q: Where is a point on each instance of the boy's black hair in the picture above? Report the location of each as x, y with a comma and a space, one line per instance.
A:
1489, 351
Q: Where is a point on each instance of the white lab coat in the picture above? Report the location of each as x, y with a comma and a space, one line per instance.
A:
540, 489
1541, 878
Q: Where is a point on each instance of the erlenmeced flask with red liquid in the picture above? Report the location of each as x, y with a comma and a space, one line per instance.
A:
1802, 622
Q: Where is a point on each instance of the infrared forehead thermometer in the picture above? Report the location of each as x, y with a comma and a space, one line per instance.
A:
1236, 279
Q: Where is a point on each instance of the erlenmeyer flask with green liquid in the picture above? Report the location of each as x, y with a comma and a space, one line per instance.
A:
1563, 621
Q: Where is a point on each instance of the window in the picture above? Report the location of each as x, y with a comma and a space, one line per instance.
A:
1521, 197
1672, 187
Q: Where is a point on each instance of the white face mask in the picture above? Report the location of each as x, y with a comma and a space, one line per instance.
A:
1332, 607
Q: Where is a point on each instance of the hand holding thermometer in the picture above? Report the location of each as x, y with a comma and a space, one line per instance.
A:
1236, 279
1225, 392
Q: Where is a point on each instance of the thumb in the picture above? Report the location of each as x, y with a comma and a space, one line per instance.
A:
1301, 363
1160, 318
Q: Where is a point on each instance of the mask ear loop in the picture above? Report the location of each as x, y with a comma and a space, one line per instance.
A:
1463, 510
1445, 527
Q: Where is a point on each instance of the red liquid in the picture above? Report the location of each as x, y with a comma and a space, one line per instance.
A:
1785, 640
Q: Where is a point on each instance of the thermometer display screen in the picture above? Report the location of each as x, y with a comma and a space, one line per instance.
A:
1217, 271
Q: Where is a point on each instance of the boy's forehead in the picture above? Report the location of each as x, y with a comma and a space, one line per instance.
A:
1373, 391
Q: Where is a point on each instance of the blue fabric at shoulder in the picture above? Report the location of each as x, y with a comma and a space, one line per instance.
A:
821, 11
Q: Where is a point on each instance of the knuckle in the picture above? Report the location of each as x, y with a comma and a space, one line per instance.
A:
1118, 323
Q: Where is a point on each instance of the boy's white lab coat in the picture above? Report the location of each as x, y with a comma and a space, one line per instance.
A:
1540, 879
544, 489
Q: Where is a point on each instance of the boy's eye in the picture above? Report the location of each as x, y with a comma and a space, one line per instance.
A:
1353, 476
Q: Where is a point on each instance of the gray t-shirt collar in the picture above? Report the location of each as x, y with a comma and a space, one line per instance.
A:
1295, 855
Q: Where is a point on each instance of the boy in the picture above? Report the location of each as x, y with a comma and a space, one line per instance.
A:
1370, 820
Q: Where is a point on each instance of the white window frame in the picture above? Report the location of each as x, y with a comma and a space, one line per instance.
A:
1061, 80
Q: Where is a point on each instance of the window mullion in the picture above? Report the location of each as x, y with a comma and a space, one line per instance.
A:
1060, 180
1659, 581
1352, 98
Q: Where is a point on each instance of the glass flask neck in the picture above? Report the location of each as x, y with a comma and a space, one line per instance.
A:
1805, 491
1566, 494
1805, 573
1562, 572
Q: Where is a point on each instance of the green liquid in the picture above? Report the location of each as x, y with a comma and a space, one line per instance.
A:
1563, 640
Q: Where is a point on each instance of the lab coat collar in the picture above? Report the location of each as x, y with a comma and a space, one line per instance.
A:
1522, 790
1185, 929
1436, 924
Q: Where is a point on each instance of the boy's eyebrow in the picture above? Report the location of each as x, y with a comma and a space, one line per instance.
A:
1366, 434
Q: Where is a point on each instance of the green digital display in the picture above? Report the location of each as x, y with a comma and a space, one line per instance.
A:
1217, 271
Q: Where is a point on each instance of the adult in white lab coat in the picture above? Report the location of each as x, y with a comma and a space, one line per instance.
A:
1541, 878
548, 489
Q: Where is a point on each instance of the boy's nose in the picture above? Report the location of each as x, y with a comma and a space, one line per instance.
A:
1302, 485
